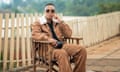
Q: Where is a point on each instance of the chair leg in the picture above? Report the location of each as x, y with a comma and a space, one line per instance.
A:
34, 56
54, 70
50, 62
34, 66
47, 70
50, 68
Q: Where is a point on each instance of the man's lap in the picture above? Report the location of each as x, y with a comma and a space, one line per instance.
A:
72, 49
69, 49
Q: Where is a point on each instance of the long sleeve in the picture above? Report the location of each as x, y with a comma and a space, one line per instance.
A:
65, 29
37, 34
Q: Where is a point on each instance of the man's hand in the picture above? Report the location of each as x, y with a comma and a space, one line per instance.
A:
57, 18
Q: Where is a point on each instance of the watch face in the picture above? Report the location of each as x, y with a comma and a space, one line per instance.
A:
59, 44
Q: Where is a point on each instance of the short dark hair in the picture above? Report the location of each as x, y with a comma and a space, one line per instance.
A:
49, 4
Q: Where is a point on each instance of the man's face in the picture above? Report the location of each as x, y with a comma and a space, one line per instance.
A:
49, 11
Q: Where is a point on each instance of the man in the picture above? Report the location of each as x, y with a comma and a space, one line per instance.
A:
54, 30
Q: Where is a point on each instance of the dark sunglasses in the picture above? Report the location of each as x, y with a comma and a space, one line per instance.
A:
52, 11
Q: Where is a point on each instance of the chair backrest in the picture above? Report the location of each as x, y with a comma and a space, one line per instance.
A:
43, 51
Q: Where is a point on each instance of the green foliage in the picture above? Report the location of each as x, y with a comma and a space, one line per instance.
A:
68, 7
109, 7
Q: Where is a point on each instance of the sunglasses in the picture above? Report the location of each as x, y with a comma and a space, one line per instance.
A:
52, 10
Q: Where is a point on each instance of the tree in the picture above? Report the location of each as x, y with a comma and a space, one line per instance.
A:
109, 7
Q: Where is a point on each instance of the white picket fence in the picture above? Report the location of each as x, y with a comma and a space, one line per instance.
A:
15, 35
95, 29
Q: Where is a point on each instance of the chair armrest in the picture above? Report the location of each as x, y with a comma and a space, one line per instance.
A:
40, 41
42, 51
74, 38
36, 44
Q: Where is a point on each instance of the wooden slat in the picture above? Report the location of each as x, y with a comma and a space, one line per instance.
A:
89, 27
31, 22
17, 39
117, 23
109, 26
80, 29
12, 41
46, 51
1, 35
87, 41
34, 55
97, 34
39, 49
93, 30
100, 27
20, 60
23, 40
31, 18
36, 15
75, 27
28, 40
112, 25
104, 34
50, 58
5, 56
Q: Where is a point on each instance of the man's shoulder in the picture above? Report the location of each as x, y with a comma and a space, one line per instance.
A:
36, 22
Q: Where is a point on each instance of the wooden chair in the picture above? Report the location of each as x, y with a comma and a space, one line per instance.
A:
42, 52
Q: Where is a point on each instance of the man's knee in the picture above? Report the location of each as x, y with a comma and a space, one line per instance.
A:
83, 51
58, 53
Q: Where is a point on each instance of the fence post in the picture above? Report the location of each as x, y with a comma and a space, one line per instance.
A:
17, 39
28, 40
5, 55
23, 40
12, 38
1, 37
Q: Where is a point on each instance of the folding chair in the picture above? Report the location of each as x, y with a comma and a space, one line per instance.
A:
42, 52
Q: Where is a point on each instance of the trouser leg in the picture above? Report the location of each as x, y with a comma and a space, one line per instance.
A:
62, 58
80, 61
79, 55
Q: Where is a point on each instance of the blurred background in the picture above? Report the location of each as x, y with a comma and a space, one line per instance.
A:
67, 7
